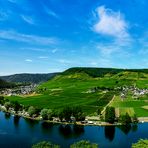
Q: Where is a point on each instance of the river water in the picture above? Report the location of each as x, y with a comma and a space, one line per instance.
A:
18, 132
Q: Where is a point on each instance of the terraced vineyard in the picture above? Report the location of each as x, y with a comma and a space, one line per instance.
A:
78, 87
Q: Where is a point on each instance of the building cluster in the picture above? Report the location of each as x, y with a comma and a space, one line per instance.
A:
136, 92
22, 90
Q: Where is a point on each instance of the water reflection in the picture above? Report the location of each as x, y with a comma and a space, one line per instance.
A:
65, 131
31, 122
7, 116
109, 132
46, 127
78, 130
134, 127
125, 128
71, 131
16, 121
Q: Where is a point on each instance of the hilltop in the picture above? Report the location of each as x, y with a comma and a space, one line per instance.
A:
101, 72
28, 78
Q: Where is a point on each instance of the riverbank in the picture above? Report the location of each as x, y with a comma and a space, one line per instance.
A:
89, 123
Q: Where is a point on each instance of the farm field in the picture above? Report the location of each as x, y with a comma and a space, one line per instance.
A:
131, 106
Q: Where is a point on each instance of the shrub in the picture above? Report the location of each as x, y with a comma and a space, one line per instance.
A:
31, 111
140, 144
125, 119
84, 144
45, 144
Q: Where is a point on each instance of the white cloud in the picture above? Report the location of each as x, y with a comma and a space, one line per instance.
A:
110, 23
64, 61
28, 19
43, 57
27, 38
28, 60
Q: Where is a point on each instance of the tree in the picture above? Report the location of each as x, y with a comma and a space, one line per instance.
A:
110, 114
31, 111
45, 144
135, 119
141, 144
49, 112
78, 113
84, 144
60, 114
16, 105
7, 105
99, 110
125, 119
2, 101
44, 114
67, 112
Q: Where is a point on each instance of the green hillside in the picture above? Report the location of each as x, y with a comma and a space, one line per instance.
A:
90, 88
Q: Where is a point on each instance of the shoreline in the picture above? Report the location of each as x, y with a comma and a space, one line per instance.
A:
96, 123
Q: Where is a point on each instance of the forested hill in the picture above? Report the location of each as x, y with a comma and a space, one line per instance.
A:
28, 78
4, 84
100, 72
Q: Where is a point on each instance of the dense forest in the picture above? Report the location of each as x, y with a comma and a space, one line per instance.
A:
4, 84
28, 78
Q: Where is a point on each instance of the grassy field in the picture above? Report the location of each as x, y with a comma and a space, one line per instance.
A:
72, 89
132, 106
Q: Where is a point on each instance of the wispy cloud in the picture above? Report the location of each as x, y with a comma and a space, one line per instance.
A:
31, 39
64, 61
3, 16
43, 57
50, 12
54, 50
110, 23
28, 19
28, 60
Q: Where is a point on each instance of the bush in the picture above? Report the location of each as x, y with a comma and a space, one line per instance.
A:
100, 108
140, 144
45, 144
7, 105
125, 119
16, 105
84, 144
2, 100
31, 111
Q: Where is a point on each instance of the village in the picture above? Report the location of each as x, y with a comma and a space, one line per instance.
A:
21, 90
134, 91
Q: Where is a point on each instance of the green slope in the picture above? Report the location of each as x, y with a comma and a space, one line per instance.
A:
72, 86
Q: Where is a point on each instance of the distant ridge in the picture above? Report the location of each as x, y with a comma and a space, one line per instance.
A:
100, 72
28, 78
89, 71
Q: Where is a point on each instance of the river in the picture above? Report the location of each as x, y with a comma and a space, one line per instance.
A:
18, 132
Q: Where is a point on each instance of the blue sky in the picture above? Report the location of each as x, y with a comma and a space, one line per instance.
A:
42, 36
